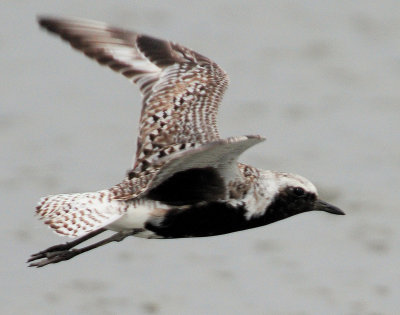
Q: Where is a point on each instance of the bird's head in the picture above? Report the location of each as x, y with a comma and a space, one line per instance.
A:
294, 194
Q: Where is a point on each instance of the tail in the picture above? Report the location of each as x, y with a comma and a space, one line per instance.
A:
78, 214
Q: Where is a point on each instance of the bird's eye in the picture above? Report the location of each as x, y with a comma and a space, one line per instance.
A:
298, 191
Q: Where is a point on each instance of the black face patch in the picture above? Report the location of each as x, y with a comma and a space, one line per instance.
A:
289, 202
190, 187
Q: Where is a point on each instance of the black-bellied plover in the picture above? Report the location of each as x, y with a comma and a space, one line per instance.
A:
186, 180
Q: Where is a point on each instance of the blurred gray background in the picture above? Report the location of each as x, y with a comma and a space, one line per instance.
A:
319, 79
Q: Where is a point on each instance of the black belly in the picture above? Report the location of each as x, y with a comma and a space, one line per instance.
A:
213, 218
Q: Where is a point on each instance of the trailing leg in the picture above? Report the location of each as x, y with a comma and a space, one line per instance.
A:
66, 251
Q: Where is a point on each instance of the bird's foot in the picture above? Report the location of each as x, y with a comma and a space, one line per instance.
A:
52, 255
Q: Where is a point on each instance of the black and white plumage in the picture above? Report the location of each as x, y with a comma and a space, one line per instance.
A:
186, 181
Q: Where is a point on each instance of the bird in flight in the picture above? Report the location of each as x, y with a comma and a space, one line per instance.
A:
186, 181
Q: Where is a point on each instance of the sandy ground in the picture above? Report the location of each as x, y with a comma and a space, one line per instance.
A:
319, 79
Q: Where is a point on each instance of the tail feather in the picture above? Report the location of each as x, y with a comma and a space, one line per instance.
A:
78, 214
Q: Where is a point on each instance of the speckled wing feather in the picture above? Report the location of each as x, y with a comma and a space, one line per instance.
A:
181, 93
220, 155
181, 88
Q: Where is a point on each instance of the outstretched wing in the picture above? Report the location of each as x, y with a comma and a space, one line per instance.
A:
181, 89
193, 175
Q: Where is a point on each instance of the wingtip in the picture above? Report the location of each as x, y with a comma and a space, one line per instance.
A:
47, 22
43, 18
256, 137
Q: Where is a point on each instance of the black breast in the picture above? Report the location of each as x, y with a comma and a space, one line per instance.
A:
218, 217
209, 219
214, 218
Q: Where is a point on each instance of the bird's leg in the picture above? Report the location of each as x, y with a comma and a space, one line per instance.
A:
66, 246
66, 251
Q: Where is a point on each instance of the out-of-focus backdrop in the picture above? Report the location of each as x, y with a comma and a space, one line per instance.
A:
319, 79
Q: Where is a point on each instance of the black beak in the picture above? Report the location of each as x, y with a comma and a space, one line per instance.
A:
324, 206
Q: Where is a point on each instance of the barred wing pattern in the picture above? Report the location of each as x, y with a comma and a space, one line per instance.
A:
181, 92
181, 89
